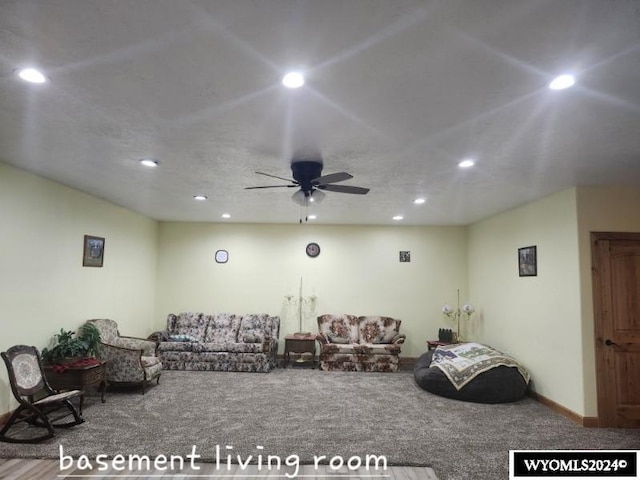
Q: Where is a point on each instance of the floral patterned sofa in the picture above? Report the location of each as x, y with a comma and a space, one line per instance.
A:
367, 344
223, 341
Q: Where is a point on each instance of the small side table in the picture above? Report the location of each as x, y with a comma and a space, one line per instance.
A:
299, 343
78, 377
433, 344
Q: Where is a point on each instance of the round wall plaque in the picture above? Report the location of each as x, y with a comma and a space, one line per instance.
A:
222, 256
313, 249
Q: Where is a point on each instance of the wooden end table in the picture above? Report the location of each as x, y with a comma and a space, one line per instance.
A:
78, 377
300, 343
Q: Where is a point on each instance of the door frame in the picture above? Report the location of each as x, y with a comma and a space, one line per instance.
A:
605, 383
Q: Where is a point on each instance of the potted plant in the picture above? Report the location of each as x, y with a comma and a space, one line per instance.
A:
68, 347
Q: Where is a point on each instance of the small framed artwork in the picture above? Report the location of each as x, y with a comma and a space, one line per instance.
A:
405, 256
93, 254
528, 261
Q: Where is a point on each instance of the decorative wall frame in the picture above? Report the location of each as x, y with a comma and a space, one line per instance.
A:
93, 252
528, 261
405, 256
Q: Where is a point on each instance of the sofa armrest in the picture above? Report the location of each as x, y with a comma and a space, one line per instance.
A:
159, 336
123, 364
399, 338
147, 346
269, 344
321, 339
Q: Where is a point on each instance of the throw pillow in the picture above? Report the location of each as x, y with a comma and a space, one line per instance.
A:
337, 339
371, 333
252, 338
182, 338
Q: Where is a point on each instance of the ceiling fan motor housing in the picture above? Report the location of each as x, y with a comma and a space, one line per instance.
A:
305, 171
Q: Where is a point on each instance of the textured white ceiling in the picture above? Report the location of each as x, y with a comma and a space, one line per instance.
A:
398, 91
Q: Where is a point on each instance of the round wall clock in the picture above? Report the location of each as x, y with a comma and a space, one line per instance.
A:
222, 256
313, 249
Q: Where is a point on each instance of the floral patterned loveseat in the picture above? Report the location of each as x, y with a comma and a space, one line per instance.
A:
222, 341
367, 344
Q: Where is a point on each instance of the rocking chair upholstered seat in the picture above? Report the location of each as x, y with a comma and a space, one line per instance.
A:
130, 360
36, 399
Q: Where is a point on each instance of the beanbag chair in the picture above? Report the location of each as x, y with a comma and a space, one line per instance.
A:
481, 382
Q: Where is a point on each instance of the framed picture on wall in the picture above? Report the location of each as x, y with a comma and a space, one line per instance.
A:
93, 253
528, 261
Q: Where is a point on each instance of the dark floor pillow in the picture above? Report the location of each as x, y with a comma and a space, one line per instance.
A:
499, 385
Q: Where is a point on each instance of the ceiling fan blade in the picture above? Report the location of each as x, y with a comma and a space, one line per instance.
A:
272, 186
331, 178
345, 189
275, 176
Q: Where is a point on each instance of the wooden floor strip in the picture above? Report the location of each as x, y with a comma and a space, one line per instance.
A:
23, 469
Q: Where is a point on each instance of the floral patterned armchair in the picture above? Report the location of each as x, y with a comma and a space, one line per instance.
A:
130, 360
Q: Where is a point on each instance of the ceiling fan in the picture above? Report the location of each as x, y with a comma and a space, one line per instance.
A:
310, 184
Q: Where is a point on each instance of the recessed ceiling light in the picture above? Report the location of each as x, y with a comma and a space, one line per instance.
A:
398, 217
562, 81
466, 163
312, 217
419, 201
32, 75
199, 197
226, 215
147, 162
293, 80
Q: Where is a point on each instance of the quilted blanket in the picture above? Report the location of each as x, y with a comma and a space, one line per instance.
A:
463, 362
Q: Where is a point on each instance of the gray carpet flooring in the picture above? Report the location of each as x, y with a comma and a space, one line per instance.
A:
303, 413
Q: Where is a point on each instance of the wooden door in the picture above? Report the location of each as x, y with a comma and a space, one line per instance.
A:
616, 293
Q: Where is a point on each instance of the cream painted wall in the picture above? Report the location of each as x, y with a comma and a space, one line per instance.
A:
599, 210
357, 272
43, 285
535, 319
153, 269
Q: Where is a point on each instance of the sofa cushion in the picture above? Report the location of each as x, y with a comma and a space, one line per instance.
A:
361, 349
182, 338
232, 347
222, 328
188, 323
211, 347
176, 346
373, 329
339, 329
245, 347
254, 328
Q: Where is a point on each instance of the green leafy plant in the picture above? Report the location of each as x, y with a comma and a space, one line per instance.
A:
90, 336
68, 346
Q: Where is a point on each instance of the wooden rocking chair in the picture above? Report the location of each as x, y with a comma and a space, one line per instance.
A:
35, 397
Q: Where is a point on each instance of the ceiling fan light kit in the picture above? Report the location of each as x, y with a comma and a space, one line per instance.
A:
304, 199
307, 177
